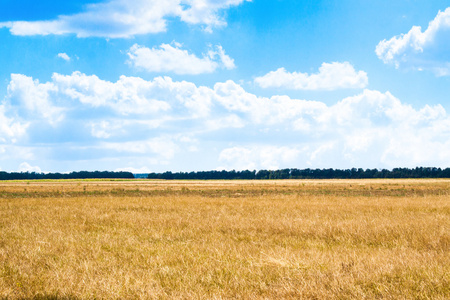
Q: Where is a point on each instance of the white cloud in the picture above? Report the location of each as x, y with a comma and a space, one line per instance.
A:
167, 58
124, 19
10, 129
33, 98
129, 95
168, 123
26, 167
427, 50
226, 61
64, 56
263, 111
331, 76
372, 129
206, 12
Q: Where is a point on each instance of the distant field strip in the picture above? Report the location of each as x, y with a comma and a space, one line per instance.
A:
152, 239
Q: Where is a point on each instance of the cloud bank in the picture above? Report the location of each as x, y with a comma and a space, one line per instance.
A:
134, 123
124, 19
173, 59
427, 50
331, 76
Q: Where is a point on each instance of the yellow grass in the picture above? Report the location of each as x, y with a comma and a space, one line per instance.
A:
329, 239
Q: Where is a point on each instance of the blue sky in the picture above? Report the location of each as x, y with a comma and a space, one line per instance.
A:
185, 85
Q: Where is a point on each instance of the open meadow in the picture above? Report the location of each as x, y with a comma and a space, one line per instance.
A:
310, 239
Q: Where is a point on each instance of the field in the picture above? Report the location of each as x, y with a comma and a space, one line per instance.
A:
299, 239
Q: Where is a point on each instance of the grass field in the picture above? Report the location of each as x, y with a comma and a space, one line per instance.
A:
324, 239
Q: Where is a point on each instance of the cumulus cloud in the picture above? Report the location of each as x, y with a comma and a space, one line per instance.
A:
124, 19
10, 129
26, 167
159, 122
331, 76
168, 58
64, 56
372, 129
129, 95
427, 50
32, 98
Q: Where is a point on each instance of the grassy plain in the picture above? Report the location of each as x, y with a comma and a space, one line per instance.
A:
323, 239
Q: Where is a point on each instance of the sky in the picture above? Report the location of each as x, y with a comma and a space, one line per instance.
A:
190, 85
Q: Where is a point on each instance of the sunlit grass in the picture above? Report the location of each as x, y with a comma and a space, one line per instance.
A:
225, 239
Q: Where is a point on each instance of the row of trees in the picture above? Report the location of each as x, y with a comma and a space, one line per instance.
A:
72, 175
419, 172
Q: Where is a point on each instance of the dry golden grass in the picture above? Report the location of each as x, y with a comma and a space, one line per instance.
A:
328, 239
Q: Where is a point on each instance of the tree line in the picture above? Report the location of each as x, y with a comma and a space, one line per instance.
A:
354, 173
72, 175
